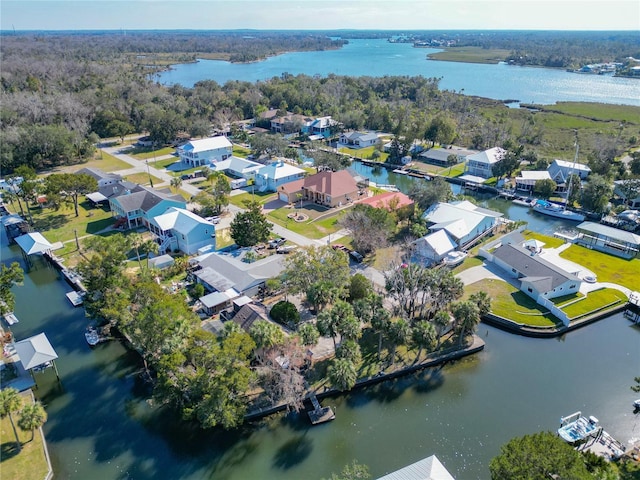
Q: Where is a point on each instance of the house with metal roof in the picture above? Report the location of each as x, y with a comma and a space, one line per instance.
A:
434, 247
180, 229
104, 179
135, 208
271, 176
358, 139
481, 164
440, 156
527, 179
429, 468
205, 151
614, 241
560, 170
463, 221
238, 167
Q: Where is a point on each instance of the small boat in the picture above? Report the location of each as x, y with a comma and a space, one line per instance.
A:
454, 258
94, 337
524, 201
11, 318
576, 427
558, 211
636, 404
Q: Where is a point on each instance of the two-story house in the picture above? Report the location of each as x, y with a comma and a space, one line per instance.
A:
481, 164
180, 229
136, 207
196, 153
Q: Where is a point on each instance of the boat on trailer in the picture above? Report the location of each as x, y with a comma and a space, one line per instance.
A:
454, 258
576, 427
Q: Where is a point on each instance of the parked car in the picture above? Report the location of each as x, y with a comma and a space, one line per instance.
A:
276, 242
286, 249
356, 257
214, 220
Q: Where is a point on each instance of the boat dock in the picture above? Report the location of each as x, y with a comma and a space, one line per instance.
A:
319, 414
75, 298
586, 434
632, 311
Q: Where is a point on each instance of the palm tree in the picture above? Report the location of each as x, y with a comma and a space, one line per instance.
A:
148, 247
342, 374
327, 327
176, 183
441, 319
10, 402
482, 300
398, 334
380, 323
423, 335
467, 316
32, 417
266, 335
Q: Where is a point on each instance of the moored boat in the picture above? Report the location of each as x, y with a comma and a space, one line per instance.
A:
94, 337
576, 427
524, 201
558, 211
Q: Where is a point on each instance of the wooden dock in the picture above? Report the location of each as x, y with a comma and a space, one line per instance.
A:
319, 414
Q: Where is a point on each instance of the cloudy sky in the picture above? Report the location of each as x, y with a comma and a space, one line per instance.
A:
324, 14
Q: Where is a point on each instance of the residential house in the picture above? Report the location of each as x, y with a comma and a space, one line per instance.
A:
290, 123
463, 221
608, 239
539, 278
196, 153
215, 302
104, 179
358, 139
250, 314
434, 247
180, 229
325, 188
528, 178
440, 156
481, 164
238, 167
560, 170
271, 176
136, 207
390, 201
320, 127
161, 262
630, 200
219, 272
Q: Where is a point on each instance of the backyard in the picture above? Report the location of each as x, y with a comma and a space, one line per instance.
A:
61, 225
549, 242
593, 302
607, 267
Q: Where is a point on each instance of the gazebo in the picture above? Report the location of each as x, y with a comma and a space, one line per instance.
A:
33, 244
36, 353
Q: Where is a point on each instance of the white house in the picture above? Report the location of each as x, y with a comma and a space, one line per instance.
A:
560, 170
181, 229
104, 179
462, 221
528, 178
208, 150
271, 176
435, 246
238, 167
481, 164
358, 139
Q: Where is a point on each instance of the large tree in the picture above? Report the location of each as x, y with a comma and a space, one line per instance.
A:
423, 335
342, 374
310, 265
69, 187
467, 318
370, 227
426, 194
10, 402
539, 456
9, 276
250, 227
441, 129
32, 417
596, 194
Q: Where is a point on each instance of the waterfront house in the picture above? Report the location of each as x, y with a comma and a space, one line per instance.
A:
429, 468
481, 164
327, 188
391, 201
358, 139
196, 153
104, 179
237, 167
440, 156
528, 178
134, 208
462, 221
320, 127
290, 123
432, 248
560, 170
277, 173
180, 229
614, 241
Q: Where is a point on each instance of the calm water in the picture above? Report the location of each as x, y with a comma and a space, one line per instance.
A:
102, 427
379, 58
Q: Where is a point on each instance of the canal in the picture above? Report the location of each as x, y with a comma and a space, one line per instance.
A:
103, 424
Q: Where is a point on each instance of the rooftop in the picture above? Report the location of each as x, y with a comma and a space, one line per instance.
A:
610, 232
490, 156
180, 220
206, 144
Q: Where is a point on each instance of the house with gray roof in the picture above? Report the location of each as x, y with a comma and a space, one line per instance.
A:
539, 278
440, 156
104, 179
136, 207
358, 139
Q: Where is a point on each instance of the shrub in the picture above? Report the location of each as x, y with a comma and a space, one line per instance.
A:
285, 313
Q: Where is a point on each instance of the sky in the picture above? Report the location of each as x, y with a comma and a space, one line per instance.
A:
321, 14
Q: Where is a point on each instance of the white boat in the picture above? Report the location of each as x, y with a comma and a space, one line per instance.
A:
11, 318
558, 211
454, 258
93, 336
636, 403
577, 427
524, 201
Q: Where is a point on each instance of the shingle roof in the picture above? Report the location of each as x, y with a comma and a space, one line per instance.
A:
248, 315
382, 200
98, 174
144, 199
331, 183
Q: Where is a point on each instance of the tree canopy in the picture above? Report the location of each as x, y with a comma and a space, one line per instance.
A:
250, 227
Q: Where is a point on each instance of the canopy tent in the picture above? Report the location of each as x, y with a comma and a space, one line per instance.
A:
97, 197
33, 243
35, 351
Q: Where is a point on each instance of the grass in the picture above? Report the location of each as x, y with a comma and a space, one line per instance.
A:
164, 163
262, 197
142, 178
365, 153
223, 238
469, 262
593, 302
106, 163
549, 242
596, 111
240, 151
59, 226
310, 229
144, 153
607, 267
454, 171
510, 303
470, 54
30, 462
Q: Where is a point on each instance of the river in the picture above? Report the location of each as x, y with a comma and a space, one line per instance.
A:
101, 424
379, 58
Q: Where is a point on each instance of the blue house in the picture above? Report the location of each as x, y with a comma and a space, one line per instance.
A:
180, 229
136, 207
271, 176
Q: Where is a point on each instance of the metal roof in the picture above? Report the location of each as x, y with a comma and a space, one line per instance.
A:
35, 351
610, 232
33, 243
429, 468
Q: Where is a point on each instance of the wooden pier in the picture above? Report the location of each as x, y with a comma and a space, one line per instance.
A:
319, 414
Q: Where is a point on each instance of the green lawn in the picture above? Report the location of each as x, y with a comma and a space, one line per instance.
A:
242, 152
364, 153
60, 225
454, 171
469, 262
160, 164
262, 197
142, 178
30, 462
607, 267
509, 302
106, 163
469, 54
549, 242
310, 229
593, 302
143, 153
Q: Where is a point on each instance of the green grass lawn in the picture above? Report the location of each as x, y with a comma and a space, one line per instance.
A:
262, 197
469, 262
144, 153
454, 171
593, 302
364, 153
607, 267
160, 164
30, 462
142, 178
106, 163
509, 302
549, 242
310, 229
59, 226
239, 151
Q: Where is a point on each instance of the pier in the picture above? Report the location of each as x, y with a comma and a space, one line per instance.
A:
632, 311
319, 414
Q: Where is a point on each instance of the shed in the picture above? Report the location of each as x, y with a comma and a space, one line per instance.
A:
162, 261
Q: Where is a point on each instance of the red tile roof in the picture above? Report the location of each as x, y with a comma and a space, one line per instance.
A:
382, 200
330, 183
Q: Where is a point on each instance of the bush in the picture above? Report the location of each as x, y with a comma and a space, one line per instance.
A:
285, 313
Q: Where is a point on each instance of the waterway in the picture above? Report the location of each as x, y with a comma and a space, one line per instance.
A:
379, 58
102, 425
